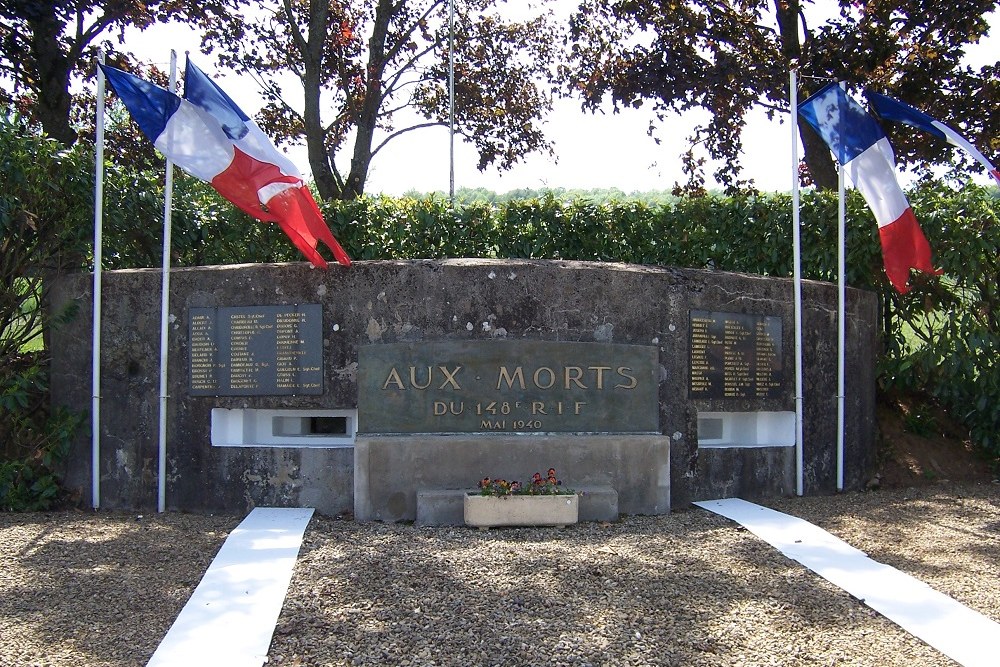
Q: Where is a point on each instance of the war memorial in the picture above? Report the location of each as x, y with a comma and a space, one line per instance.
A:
389, 388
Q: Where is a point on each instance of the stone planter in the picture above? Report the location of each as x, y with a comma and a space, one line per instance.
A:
488, 511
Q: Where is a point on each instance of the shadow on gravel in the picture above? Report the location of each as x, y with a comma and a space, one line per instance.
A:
126, 579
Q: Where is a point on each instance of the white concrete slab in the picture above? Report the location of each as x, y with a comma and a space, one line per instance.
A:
962, 634
231, 615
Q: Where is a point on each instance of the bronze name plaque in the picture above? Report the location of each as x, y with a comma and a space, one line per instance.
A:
734, 355
508, 386
256, 350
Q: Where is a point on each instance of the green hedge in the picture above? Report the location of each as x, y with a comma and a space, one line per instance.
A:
749, 233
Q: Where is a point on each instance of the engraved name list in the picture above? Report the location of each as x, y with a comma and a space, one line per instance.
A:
256, 350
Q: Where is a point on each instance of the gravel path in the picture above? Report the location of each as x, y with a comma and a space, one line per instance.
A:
83, 589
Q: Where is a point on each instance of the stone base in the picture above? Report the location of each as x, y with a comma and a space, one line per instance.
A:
490, 511
390, 470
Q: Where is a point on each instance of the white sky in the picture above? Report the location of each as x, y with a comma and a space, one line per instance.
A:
591, 151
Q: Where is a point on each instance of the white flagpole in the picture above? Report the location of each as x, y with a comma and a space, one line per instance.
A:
451, 100
168, 195
793, 103
95, 353
841, 328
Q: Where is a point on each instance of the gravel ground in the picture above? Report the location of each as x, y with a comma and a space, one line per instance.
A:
84, 589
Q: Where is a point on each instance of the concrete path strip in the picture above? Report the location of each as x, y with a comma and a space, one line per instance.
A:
962, 634
231, 615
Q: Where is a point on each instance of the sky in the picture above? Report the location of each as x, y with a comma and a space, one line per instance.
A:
591, 151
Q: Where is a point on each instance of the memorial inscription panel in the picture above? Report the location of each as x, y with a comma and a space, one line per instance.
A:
508, 386
256, 350
733, 355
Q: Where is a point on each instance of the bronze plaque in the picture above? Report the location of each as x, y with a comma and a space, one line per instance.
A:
734, 355
508, 386
256, 350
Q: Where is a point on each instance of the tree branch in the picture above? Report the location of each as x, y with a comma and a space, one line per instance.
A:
293, 27
404, 37
404, 131
410, 63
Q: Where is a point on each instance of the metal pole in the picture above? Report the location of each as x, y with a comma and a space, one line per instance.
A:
168, 195
793, 103
841, 328
451, 100
95, 353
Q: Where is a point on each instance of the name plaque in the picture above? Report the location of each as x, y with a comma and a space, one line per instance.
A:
735, 355
256, 350
508, 386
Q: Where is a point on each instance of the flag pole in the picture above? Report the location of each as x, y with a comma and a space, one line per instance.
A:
841, 312
451, 101
95, 353
168, 195
793, 104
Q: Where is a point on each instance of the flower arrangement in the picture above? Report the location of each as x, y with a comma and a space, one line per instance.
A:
539, 486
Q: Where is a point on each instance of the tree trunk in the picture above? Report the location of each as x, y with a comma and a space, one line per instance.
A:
53, 107
818, 159
362, 157
320, 161
817, 154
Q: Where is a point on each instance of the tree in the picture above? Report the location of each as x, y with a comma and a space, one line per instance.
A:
730, 57
44, 42
380, 70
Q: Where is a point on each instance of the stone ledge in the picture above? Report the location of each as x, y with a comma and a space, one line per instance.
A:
444, 507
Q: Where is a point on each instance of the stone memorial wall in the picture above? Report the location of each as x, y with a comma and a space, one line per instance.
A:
353, 389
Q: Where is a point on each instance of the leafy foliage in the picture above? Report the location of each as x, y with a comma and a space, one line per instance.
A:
470, 196
29, 478
729, 58
368, 69
950, 340
696, 232
44, 43
45, 200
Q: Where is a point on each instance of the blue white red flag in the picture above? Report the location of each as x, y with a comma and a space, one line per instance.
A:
860, 146
890, 109
207, 135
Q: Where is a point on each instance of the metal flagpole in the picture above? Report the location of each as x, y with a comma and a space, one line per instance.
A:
793, 103
451, 100
841, 298
95, 353
168, 195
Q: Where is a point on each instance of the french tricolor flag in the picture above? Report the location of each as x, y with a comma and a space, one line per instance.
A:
207, 135
894, 110
861, 147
